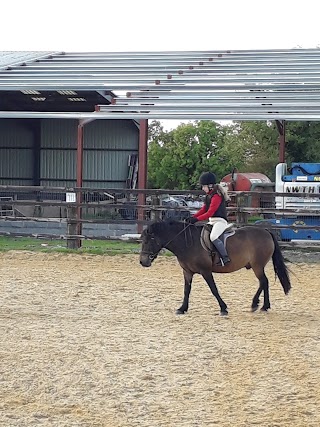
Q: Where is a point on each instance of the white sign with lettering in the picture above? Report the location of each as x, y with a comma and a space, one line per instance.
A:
70, 197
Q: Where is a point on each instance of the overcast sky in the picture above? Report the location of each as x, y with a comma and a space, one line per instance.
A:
119, 25
142, 25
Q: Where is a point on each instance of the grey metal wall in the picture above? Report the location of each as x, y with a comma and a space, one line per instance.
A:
16, 152
107, 145
58, 153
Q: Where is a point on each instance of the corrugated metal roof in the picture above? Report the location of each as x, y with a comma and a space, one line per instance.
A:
25, 99
11, 58
242, 85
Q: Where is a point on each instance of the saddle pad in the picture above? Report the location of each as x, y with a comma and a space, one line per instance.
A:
205, 237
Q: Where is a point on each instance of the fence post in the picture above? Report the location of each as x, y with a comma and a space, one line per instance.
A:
141, 201
241, 217
155, 215
72, 243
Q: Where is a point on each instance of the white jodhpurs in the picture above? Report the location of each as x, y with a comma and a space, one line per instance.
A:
218, 227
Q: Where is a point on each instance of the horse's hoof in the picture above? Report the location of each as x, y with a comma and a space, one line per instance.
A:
180, 311
255, 308
264, 309
224, 313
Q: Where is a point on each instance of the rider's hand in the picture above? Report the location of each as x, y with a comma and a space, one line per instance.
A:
192, 220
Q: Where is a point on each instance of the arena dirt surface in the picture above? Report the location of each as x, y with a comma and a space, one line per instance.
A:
94, 341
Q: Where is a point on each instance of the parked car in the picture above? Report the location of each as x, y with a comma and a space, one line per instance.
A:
172, 203
173, 209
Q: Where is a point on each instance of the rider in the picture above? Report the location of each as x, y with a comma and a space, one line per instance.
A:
214, 210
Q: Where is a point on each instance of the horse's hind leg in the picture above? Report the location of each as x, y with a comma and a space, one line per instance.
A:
264, 283
212, 285
263, 286
187, 289
255, 300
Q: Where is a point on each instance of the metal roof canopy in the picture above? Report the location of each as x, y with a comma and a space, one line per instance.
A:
217, 85
44, 101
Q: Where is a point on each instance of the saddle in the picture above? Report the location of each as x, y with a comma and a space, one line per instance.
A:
205, 237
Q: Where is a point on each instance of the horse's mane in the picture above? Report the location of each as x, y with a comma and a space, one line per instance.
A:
159, 227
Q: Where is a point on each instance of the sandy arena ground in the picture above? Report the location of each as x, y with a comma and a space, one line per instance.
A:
94, 341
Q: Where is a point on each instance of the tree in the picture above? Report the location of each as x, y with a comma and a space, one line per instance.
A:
177, 158
251, 147
303, 142
158, 140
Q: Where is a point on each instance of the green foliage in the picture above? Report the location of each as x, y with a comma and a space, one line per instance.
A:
251, 147
177, 158
303, 141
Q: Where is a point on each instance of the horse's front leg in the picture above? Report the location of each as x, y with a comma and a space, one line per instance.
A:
187, 289
213, 288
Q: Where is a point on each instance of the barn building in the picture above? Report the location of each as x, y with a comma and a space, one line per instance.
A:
40, 151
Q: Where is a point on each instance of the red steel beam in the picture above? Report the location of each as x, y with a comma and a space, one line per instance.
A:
281, 125
142, 168
79, 177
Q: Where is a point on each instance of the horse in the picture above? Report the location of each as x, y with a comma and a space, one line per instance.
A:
249, 247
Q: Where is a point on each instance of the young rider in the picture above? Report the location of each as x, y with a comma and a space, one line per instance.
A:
214, 211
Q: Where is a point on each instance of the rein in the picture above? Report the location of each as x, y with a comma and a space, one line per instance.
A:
184, 229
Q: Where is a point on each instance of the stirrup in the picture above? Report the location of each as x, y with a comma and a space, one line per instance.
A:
223, 261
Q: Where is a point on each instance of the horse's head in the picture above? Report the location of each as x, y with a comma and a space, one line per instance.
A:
151, 246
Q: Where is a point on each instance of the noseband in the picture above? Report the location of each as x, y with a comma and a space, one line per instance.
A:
151, 255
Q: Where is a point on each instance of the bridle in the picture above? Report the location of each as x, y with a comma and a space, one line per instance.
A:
152, 255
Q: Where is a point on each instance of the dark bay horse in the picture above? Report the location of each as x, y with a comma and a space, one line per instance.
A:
250, 247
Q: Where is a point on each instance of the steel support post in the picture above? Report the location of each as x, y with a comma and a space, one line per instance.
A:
142, 168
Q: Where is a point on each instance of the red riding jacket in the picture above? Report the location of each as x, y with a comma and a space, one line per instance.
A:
211, 207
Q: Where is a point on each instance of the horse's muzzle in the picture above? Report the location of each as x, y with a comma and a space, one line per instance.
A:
146, 258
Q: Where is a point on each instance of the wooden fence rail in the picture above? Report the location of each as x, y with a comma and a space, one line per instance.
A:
120, 206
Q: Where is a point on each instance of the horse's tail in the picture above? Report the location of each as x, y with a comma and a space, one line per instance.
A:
279, 266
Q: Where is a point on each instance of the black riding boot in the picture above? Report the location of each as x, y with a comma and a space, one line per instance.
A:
224, 258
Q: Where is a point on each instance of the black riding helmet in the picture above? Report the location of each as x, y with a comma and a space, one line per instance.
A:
207, 178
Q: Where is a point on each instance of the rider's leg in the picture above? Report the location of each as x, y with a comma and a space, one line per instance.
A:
219, 225
222, 252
